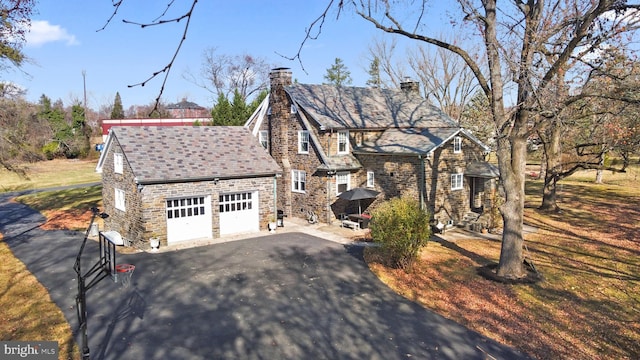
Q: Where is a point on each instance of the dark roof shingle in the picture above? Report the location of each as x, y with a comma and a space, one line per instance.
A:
408, 141
188, 153
366, 108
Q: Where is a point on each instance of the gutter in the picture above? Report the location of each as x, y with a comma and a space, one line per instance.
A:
204, 178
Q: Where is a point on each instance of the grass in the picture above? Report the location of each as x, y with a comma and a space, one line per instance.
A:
65, 209
44, 174
28, 313
587, 307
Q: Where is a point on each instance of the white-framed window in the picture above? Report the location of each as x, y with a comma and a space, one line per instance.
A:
343, 182
298, 181
118, 163
457, 144
343, 142
303, 142
263, 136
456, 181
371, 179
119, 200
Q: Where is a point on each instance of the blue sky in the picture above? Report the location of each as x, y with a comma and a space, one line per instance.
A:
64, 42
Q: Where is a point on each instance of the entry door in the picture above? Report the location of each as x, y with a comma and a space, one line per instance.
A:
239, 212
189, 218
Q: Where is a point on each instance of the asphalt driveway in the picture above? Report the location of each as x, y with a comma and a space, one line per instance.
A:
282, 296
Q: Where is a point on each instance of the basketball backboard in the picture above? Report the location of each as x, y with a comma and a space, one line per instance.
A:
108, 241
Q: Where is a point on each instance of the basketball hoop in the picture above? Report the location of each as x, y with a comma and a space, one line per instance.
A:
122, 275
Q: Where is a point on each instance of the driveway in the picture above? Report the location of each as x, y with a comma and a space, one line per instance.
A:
281, 296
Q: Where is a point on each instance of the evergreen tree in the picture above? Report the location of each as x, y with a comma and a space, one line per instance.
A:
256, 102
238, 109
374, 73
62, 132
338, 74
221, 112
81, 143
237, 112
117, 112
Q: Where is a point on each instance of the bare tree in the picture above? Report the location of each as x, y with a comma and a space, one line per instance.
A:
590, 121
392, 72
445, 78
517, 36
224, 74
22, 134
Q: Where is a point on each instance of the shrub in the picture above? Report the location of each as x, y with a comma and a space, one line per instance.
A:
401, 228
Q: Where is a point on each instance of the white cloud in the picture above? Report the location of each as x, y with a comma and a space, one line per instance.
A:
42, 32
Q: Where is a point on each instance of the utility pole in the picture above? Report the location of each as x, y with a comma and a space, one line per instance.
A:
84, 85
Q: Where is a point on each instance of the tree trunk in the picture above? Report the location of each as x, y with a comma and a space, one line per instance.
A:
513, 176
600, 171
553, 153
599, 176
549, 194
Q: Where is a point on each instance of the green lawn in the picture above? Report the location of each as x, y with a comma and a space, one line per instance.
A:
51, 173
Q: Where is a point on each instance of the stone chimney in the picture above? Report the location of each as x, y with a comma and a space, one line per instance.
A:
280, 76
280, 117
410, 87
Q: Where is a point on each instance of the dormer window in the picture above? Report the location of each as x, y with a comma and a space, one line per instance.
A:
343, 142
457, 144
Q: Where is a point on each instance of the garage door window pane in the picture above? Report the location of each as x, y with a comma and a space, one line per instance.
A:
180, 208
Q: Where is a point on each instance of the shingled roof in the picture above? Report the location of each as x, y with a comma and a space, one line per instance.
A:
337, 107
413, 141
192, 153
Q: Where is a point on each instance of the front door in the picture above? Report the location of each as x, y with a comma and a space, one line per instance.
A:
476, 196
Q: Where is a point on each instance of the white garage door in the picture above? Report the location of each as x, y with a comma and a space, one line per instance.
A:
189, 218
239, 213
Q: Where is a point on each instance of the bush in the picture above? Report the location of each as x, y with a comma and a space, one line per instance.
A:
402, 229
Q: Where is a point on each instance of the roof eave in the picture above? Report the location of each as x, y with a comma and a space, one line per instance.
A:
205, 178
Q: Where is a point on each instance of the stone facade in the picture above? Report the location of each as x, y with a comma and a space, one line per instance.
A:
145, 205
427, 177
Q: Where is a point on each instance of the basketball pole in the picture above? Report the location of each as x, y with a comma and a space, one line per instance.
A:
98, 272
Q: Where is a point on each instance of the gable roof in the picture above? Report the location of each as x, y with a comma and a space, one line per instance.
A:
335, 107
191, 153
413, 141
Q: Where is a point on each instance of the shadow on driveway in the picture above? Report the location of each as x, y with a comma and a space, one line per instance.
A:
288, 296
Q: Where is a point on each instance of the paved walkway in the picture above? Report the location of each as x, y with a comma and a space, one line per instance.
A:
288, 295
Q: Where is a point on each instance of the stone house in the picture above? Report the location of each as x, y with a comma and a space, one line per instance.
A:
186, 182
330, 139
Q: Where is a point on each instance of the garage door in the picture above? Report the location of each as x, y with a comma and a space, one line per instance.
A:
239, 213
189, 218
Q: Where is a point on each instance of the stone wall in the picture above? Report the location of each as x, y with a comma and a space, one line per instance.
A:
129, 222
155, 196
145, 208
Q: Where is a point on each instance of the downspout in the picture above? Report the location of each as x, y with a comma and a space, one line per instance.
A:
329, 174
422, 185
275, 199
